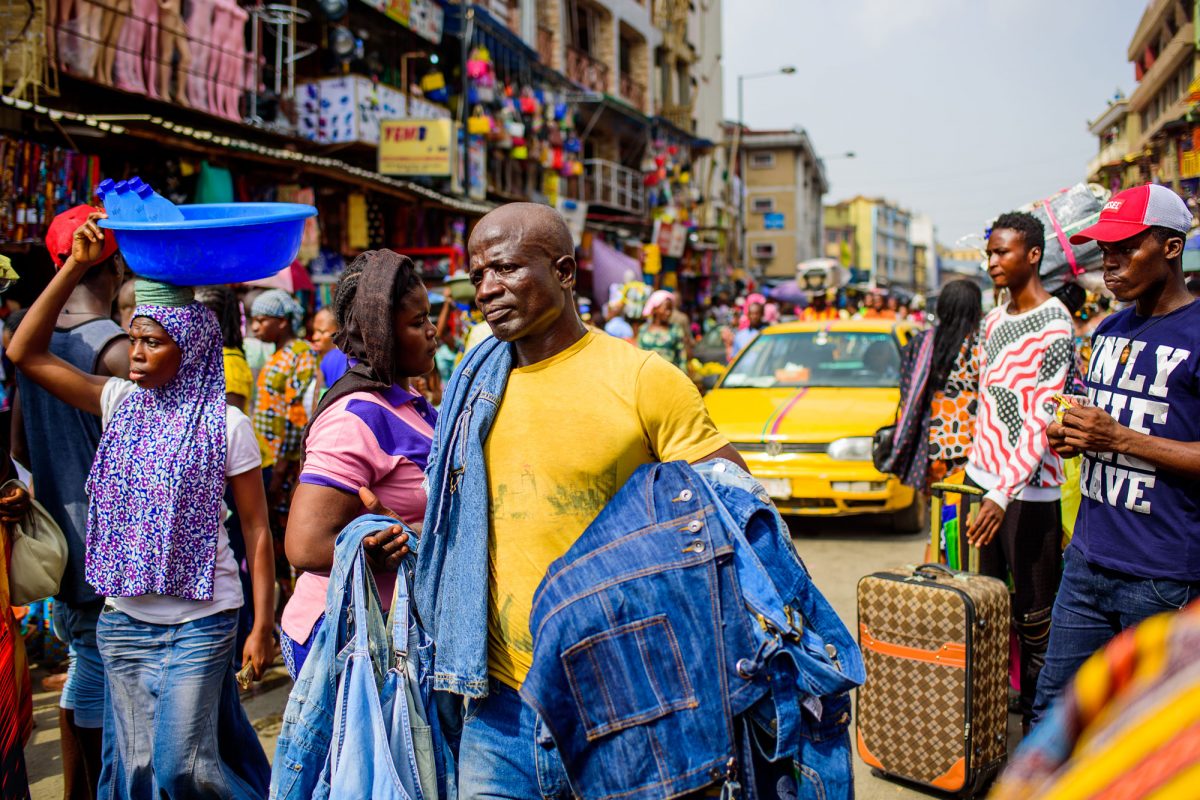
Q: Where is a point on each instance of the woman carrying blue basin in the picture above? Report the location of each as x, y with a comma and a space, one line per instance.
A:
157, 548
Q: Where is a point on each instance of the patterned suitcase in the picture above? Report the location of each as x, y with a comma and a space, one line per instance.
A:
934, 708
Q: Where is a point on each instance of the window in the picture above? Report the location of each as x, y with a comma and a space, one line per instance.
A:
762, 205
764, 250
762, 161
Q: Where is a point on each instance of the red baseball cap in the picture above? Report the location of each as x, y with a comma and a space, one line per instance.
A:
62, 230
1134, 210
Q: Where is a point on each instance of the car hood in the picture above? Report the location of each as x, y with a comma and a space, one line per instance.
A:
813, 414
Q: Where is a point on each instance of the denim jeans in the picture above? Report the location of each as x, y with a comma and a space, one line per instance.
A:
506, 751
1095, 604
84, 691
165, 683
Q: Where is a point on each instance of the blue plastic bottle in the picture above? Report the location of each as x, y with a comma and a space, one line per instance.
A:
154, 207
112, 197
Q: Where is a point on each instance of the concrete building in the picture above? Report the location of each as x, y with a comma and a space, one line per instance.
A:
784, 184
923, 234
1152, 136
876, 236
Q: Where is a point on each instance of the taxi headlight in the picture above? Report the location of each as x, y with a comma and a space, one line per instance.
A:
854, 448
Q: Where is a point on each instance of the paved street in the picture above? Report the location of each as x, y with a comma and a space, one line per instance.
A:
837, 552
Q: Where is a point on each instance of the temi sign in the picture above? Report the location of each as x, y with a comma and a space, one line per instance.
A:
416, 147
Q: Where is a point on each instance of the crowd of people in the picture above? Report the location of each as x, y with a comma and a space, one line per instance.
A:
202, 450
1063, 410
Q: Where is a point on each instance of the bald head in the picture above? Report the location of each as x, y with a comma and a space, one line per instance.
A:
527, 225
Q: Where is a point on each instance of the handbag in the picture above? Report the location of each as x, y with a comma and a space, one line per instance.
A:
386, 740
39, 553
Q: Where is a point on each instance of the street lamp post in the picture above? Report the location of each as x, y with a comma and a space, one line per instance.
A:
737, 153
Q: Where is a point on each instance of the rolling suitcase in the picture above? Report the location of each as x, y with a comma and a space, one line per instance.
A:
934, 708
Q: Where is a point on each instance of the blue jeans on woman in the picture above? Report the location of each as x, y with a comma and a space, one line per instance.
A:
1094, 604
506, 751
165, 683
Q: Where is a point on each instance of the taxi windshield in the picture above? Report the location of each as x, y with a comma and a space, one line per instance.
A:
818, 358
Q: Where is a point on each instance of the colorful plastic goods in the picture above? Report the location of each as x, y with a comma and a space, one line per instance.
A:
215, 243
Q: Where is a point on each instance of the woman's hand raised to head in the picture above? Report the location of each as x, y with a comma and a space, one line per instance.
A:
87, 245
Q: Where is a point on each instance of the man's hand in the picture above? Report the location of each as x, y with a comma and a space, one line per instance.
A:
1092, 429
87, 245
388, 547
987, 523
1057, 435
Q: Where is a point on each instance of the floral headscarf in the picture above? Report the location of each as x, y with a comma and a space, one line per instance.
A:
156, 485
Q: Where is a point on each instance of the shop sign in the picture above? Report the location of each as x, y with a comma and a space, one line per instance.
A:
1189, 163
416, 147
423, 17
773, 221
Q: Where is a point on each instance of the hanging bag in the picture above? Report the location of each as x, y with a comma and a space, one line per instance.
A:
384, 744
39, 552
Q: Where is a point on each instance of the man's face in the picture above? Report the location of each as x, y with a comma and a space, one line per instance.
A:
519, 288
1134, 265
324, 327
1010, 263
755, 314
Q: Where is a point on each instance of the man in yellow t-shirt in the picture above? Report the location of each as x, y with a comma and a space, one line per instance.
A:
581, 411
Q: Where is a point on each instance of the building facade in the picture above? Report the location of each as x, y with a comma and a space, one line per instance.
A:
1154, 134
874, 237
782, 212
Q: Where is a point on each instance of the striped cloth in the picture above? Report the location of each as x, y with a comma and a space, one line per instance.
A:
1127, 727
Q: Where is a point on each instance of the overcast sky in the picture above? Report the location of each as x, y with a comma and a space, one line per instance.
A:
957, 108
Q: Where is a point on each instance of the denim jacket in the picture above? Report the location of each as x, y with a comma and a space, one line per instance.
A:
450, 588
679, 616
301, 765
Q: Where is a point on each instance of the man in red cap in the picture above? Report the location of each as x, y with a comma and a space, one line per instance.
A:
1136, 548
57, 444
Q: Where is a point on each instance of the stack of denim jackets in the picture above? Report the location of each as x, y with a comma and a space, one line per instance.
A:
680, 641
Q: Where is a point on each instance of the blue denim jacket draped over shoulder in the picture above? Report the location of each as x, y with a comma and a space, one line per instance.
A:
301, 766
450, 587
681, 614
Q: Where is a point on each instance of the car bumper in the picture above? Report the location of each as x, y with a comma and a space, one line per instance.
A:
816, 485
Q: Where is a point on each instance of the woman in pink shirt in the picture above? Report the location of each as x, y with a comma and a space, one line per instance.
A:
368, 441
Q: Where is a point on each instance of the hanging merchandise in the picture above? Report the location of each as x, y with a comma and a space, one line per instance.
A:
479, 123
357, 235
520, 152
213, 185
433, 84
479, 66
529, 103
36, 182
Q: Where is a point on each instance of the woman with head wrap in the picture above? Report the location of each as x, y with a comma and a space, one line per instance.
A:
368, 442
659, 334
157, 548
279, 411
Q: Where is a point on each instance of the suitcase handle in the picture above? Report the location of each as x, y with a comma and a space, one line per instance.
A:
928, 568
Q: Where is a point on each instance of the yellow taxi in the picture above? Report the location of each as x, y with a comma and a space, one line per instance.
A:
802, 402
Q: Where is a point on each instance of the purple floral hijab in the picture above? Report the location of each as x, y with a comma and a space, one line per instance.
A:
156, 485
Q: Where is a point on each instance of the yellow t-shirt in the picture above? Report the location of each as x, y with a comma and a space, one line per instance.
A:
569, 433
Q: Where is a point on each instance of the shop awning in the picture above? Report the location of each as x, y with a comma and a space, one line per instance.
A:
200, 140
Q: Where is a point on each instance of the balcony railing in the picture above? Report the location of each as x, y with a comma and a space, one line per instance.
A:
609, 184
633, 91
586, 71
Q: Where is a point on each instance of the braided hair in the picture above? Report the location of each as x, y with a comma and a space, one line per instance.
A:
222, 301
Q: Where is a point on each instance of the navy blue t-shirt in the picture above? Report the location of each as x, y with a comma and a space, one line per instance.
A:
1133, 517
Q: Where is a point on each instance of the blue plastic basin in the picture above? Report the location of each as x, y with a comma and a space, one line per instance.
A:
215, 243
